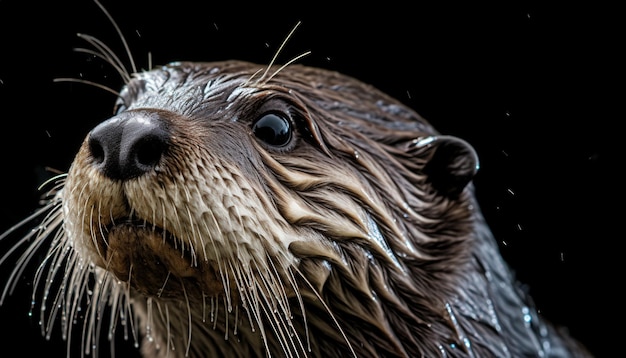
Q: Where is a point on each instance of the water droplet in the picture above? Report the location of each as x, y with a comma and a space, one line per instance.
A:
527, 317
467, 343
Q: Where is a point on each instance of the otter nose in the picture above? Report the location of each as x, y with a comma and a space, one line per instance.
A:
128, 145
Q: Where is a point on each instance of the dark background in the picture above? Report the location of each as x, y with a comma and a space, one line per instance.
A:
532, 88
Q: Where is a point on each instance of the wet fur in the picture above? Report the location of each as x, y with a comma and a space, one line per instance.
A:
361, 238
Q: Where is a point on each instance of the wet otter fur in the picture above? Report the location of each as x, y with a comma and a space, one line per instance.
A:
236, 209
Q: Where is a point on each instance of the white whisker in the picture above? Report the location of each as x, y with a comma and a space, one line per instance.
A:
330, 313
287, 64
189, 319
296, 289
40, 234
278, 52
91, 83
104, 55
120, 34
192, 239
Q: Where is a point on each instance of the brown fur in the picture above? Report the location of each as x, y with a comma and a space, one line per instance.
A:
361, 237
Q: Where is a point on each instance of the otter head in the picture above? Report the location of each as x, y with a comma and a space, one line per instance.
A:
303, 212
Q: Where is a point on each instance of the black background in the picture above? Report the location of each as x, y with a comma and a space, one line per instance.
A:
531, 87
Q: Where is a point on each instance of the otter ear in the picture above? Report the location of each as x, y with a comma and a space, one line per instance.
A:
451, 163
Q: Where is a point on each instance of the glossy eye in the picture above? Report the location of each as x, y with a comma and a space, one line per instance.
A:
273, 129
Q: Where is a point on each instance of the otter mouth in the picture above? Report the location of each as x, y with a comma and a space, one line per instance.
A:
153, 260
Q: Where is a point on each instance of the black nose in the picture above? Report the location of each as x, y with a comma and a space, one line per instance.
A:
129, 145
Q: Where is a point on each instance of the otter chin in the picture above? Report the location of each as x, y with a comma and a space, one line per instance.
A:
237, 209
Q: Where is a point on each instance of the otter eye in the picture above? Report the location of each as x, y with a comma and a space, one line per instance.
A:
273, 129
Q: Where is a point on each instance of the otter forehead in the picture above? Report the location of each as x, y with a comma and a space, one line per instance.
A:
193, 89
224, 90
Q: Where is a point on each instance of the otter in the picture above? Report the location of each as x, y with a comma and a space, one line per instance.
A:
236, 209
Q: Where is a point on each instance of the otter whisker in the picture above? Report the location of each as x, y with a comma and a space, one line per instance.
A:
328, 310
88, 334
53, 259
103, 53
278, 284
218, 259
200, 239
273, 283
204, 296
82, 206
27, 256
191, 221
59, 180
247, 82
248, 288
286, 64
227, 311
270, 312
176, 221
120, 35
106, 292
274, 319
116, 308
278, 52
189, 320
55, 250
214, 311
78, 283
191, 239
236, 328
164, 316
296, 289
149, 319
92, 325
247, 298
94, 234
23, 222
62, 297
91, 83
170, 339
167, 278
223, 274
164, 221
154, 219
38, 233
128, 307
